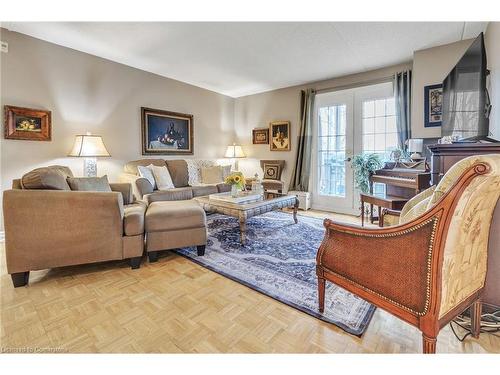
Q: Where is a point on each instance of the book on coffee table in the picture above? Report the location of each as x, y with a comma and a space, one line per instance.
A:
243, 197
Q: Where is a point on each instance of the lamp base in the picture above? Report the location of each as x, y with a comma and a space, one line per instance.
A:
90, 167
416, 156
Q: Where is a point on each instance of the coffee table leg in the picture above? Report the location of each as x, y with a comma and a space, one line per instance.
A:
295, 209
243, 228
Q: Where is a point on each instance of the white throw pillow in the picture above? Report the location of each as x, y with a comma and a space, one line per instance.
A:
147, 173
194, 170
226, 171
162, 178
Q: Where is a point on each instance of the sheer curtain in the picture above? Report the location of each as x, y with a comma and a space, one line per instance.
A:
402, 95
302, 167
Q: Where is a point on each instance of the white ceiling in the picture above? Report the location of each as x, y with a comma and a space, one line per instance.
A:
238, 59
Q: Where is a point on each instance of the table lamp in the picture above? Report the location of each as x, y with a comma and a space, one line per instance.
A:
90, 147
415, 146
234, 152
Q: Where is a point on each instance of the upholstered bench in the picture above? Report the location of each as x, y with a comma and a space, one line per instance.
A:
175, 224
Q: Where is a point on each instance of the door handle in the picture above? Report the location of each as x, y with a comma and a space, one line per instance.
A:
347, 159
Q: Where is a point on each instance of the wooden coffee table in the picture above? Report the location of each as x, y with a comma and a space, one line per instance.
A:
244, 211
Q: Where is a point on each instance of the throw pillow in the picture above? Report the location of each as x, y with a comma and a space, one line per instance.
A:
226, 171
211, 175
147, 173
194, 169
89, 183
415, 211
162, 178
49, 178
272, 171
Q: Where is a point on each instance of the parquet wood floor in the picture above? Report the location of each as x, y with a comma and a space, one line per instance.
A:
176, 306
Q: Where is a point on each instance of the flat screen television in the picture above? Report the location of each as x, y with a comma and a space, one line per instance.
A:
466, 102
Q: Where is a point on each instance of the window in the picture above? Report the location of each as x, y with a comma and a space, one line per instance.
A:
331, 150
380, 135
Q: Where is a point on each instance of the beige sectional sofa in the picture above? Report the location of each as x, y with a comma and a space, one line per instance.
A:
47, 225
178, 169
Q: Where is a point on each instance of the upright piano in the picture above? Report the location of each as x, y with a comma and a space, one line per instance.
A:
403, 180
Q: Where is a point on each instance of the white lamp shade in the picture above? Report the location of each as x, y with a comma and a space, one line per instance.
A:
415, 145
234, 151
89, 146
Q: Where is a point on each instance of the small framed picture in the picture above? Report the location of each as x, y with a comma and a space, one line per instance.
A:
433, 105
27, 124
260, 136
279, 132
166, 133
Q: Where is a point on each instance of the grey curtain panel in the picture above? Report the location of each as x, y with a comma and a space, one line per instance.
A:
402, 95
302, 167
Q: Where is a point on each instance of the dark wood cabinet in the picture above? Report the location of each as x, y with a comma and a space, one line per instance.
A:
443, 156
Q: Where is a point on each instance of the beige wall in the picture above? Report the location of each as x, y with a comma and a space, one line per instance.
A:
258, 110
431, 66
88, 93
492, 42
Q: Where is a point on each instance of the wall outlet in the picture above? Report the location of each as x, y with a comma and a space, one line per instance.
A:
4, 47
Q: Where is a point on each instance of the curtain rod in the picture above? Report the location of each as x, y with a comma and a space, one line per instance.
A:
357, 84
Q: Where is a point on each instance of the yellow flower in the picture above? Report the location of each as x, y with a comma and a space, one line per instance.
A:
237, 179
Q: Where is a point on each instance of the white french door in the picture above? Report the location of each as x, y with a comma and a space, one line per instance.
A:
333, 148
347, 123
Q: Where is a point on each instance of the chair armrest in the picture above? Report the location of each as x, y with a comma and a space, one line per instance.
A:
140, 185
126, 189
392, 262
52, 228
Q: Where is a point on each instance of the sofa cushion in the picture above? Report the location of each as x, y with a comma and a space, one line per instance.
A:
176, 194
212, 175
174, 215
131, 166
223, 188
179, 172
201, 190
133, 218
89, 183
162, 178
50, 178
147, 173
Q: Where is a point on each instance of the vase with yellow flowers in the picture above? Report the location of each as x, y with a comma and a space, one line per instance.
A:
237, 181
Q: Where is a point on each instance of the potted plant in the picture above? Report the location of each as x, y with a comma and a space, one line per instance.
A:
237, 181
364, 165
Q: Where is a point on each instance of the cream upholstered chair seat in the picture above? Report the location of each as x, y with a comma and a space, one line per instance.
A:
431, 265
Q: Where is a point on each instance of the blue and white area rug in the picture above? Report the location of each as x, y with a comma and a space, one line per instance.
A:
279, 260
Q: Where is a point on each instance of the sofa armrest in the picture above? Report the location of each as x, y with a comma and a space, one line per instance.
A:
126, 190
50, 228
391, 262
140, 185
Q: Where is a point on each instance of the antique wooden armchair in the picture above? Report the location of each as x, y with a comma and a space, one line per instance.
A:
430, 268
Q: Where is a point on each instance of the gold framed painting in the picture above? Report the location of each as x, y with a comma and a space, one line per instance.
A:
279, 132
166, 132
27, 124
260, 136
